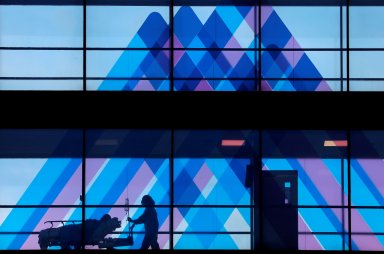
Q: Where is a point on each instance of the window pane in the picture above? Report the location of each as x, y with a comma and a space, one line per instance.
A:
300, 64
50, 181
366, 27
214, 64
214, 27
128, 64
368, 242
41, 63
367, 151
218, 219
300, 85
110, 181
32, 222
214, 85
127, 164
367, 187
128, 85
128, 26
366, 64
28, 84
40, 167
365, 223
121, 231
205, 181
284, 27
323, 242
41, 26
320, 180
212, 241
326, 220
366, 85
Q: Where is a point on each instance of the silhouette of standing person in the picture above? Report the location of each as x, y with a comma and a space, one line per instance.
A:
151, 223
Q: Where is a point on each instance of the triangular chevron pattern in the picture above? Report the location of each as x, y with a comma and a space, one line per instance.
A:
143, 64
229, 27
206, 182
57, 182
285, 64
108, 182
111, 181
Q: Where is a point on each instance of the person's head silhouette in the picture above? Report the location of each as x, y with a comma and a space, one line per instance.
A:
147, 201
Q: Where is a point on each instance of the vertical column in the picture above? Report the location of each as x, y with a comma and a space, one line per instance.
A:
349, 191
259, 45
171, 198
347, 35
259, 181
341, 50
84, 45
83, 166
171, 45
342, 204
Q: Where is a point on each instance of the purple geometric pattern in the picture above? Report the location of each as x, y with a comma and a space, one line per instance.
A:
319, 183
214, 28
285, 64
205, 182
154, 33
111, 181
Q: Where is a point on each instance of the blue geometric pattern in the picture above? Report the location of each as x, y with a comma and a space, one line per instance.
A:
49, 186
319, 183
213, 29
144, 64
289, 65
111, 181
205, 182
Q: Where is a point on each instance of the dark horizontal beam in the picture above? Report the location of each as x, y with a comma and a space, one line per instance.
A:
191, 110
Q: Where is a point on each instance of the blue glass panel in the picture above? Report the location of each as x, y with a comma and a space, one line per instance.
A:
30, 220
319, 180
206, 181
214, 64
189, 219
127, 26
212, 241
128, 64
366, 26
40, 181
322, 242
367, 188
320, 28
300, 85
214, 27
41, 84
138, 232
366, 85
214, 85
319, 220
368, 242
41, 26
111, 181
128, 85
41, 63
366, 64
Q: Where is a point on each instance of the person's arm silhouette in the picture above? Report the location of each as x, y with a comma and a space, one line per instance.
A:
142, 219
